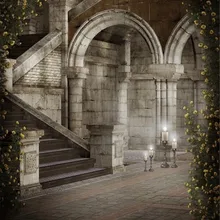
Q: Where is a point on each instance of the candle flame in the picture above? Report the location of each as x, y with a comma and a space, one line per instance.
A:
165, 128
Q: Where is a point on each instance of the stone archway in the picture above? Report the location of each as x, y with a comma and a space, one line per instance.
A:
76, 54
103, 20
177, 40
189, 86
77, 72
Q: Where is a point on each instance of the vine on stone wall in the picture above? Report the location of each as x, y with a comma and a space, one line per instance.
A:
203, 185
13, 16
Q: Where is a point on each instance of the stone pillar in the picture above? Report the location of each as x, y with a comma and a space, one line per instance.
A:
107, 146
158, 112
172, 108
58, 20
76, 78
166, 76
9, 75
123, 77
29, 165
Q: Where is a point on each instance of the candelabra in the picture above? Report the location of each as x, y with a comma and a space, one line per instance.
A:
174, 147
145, 162
165, 142
145, 165
151, 169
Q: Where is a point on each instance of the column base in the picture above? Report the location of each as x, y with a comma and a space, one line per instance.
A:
30, 189
117, 169
174, 166
164, 165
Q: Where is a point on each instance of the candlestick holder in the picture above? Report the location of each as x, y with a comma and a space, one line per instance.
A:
174, 159
145, 165
151, 158
165, 164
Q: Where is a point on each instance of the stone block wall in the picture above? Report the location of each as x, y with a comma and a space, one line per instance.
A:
184, 96
140, 55
188, 56
141, 114
160, 14
99, 95
46, 73
41, 86
47, 101
188, 89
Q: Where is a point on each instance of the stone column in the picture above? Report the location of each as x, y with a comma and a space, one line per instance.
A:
166, 76
58, 20
107, 146
123, 77
29, 165
76, 79
158, 112
172, 108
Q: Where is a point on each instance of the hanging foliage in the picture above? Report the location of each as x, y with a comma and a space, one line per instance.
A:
204, 138
13, 16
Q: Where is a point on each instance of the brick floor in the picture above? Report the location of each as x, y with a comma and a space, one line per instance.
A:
133, 195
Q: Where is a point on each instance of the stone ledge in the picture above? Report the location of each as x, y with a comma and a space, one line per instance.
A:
166, 71
30, 90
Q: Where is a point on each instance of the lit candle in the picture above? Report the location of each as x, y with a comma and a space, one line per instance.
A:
174, 144
151, 152
145, 155
164, 134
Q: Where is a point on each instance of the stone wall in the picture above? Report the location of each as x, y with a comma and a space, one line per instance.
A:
47, 101
41, 86
99, 95
141, 114
140, 55
46, 73
189, 88
162, 15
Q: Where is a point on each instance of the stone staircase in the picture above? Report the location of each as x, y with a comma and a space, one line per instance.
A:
60, 162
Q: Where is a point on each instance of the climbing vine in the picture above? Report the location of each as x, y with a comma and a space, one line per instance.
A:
204, 138
14, 14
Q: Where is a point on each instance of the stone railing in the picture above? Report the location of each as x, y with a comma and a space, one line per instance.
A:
48, 121
35, 54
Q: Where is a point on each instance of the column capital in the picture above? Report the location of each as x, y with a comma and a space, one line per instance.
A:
166, 71
124, 68
124, 76
76, 72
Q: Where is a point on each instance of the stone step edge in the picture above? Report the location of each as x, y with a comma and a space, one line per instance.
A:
55, 150
70, 174
76, 160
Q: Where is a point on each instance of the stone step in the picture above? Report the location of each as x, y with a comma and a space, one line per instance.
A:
22, 122
60, 167
52, 144
56, 155
70, 177
15, 117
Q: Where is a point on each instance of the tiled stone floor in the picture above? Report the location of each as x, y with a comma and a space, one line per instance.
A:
133, 195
